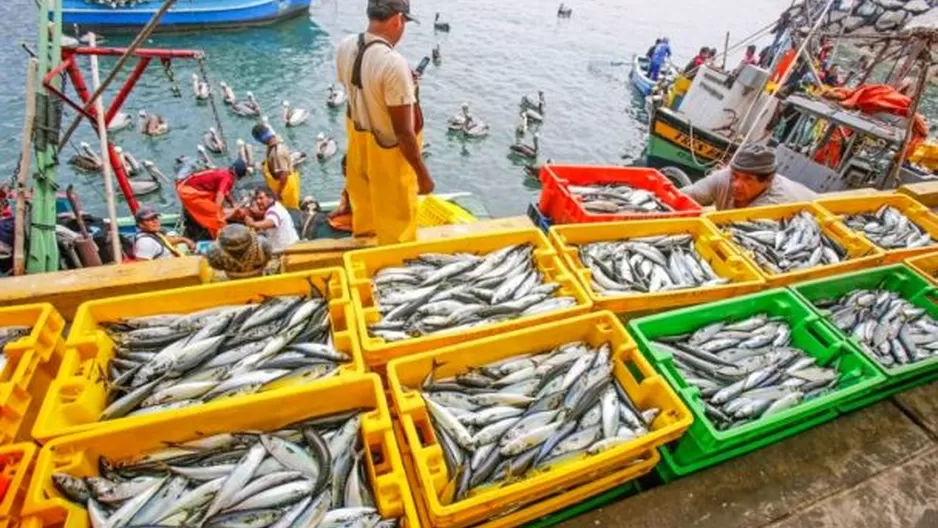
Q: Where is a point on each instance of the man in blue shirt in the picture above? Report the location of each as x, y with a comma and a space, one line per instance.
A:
661, 53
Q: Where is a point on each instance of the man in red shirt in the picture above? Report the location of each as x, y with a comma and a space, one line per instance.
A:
203, 195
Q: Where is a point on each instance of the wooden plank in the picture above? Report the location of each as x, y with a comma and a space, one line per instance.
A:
926, 192
326, 253
68, 289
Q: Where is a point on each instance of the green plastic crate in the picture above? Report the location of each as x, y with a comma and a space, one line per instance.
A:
622, 492
898, 278
703, 445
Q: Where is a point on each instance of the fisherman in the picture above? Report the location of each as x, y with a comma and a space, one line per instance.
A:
831, 77
651, 49
203, 196
277, 224
340, 218
690, 71
385, 169
661, 53
150, 242
279, 172
749, 181
750, 58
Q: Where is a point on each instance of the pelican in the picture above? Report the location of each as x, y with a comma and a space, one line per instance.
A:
294, 116
325, 147
522, 128
458, 121
120, 121
228, 95
435, 54
141, 187
298, 158
475, 128
246, 154
533, 116
204, 158
200, 88
152, 125
129, 162
440, 26
534, 171
248, 108
336, 97
86, 159
524, 151
534, 103
213, 142
155, 171
564, 11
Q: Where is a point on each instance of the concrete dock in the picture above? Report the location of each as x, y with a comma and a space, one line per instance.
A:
877, 467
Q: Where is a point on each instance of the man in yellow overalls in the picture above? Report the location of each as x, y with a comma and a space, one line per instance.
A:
385, 170
279, 173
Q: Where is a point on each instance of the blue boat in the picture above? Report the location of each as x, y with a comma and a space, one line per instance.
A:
639, 75
188, 15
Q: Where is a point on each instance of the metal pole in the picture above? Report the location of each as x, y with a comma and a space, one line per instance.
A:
106, 165
19, 240
726, 49
913, 111
138, 40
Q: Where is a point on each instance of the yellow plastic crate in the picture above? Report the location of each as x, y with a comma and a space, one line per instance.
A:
926, 265
434, 211
78, 454
862, 253
722, 257
361, 265
32, 364
916, 213
16, 464
634, 372
77, 396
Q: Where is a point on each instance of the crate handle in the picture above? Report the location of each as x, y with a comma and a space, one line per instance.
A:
820, 330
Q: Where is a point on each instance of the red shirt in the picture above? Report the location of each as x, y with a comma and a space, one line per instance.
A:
212, 180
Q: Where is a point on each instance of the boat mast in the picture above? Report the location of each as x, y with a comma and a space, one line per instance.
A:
43, 248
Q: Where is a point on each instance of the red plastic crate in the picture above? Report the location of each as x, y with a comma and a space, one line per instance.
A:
559, 204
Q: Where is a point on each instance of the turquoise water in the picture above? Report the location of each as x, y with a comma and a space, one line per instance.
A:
496, 52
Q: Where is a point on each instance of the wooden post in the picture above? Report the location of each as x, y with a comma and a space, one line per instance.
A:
726, 48
106, 166
19, 236
913, 111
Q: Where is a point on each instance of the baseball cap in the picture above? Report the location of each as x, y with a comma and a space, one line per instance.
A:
146, 213
392, 6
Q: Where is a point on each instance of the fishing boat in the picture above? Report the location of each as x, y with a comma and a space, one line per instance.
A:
109, 16
701, 128
639, 75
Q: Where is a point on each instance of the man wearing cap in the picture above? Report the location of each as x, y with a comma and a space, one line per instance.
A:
203, 195
385, 170
750, 181
277, 224
150, 243
279, 172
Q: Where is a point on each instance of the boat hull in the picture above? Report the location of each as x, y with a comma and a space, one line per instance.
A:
184, 16
640, 82
669, 144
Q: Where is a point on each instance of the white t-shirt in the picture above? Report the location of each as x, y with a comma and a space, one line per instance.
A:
386, 81
146, 248
283, 233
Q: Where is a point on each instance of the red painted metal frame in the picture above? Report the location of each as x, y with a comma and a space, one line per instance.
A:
69, 66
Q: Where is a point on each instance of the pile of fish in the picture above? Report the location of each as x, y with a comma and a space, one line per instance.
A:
648, 264
890, 329
780, 246
888, 228
307, 474
439, 292
175, 360
502, 421
747, 369
617, 198
9, 334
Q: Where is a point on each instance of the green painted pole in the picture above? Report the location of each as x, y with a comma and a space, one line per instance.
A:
43, 248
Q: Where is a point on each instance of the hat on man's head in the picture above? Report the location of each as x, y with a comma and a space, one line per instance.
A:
754, 158
390, 7
262, 132
145, 213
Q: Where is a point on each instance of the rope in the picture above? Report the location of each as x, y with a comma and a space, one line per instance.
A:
211, 103
171, 75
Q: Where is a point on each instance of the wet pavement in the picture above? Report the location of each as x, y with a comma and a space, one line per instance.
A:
875, 467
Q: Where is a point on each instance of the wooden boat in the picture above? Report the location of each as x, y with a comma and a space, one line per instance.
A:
100, 16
